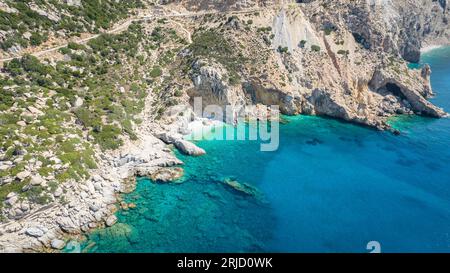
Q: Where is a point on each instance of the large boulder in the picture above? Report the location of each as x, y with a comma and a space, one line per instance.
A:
189, 148
36, 180
182, 145
22, 175
167, 138
34, 232
57, 244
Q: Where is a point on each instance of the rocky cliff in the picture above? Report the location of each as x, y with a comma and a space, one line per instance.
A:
398, 27
343, 59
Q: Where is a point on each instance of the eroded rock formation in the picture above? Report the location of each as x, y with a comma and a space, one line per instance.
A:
343, 59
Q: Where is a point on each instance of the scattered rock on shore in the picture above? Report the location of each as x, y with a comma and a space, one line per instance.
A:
34, 232
57, 244
111, 220
167, 174
189, 148
182, 145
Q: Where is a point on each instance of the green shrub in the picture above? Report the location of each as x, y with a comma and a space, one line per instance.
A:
27, 63
75, 46
14, 40
156, 72
264, 29
37, 39
64, 50
283, 49
178, 93
88, 118
36, 194
302, 43
211, 44
11, 187
108, 137
343, 52
315, 48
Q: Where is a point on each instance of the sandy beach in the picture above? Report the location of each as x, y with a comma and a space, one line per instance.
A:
429, 48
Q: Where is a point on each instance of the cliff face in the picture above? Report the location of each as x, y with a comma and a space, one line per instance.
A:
398, 27
343, 59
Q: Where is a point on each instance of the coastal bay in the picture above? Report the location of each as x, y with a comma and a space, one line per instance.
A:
331, 187
101, 102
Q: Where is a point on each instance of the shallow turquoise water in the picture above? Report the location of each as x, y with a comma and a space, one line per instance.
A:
331, 187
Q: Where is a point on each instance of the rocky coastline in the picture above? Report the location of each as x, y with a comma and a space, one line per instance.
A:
91, 204
312, 58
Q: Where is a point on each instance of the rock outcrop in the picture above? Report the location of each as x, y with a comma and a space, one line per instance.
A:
182, 145
399, 27
211, 83
414, 93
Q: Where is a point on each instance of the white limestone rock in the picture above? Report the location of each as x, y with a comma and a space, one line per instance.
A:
36, 180
34, 232
57, 244
189, 148
111, 220
22, 175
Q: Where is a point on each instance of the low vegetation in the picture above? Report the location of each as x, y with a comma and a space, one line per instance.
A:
53, 115
211, 44
315, 48
31, 24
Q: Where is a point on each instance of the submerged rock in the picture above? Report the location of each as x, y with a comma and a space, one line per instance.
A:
314, 142
283, 120
242, 187
119, 230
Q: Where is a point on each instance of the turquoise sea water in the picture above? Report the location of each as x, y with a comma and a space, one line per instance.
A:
331, 187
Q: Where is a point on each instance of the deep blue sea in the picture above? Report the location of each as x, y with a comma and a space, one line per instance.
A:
330, 187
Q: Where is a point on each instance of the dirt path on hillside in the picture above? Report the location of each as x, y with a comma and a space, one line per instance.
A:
123, 26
